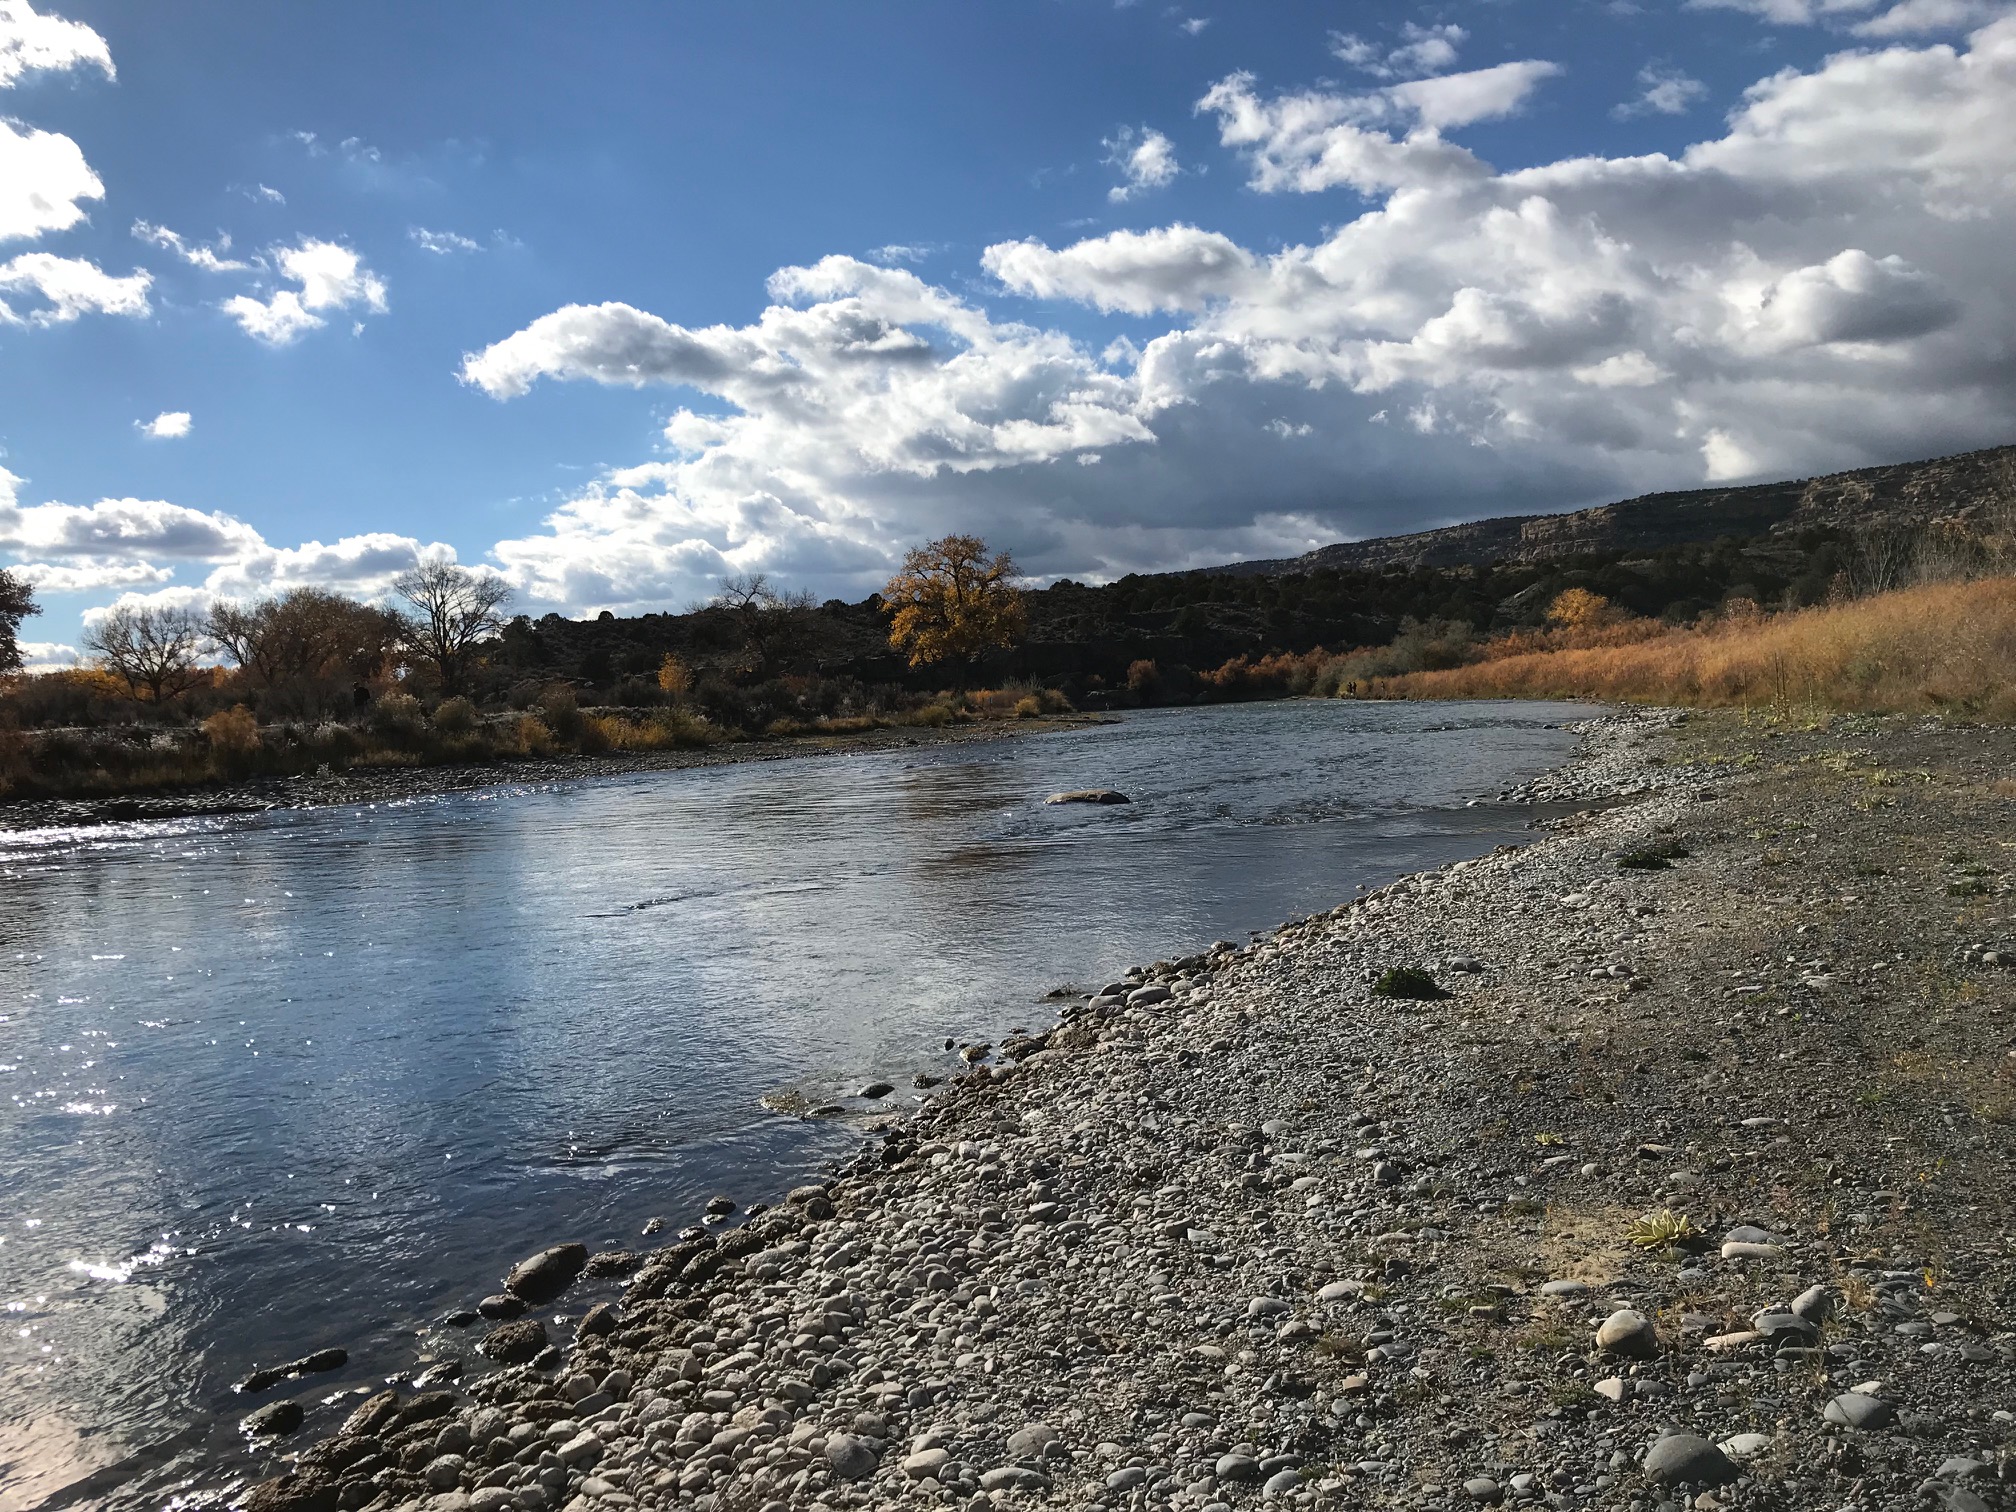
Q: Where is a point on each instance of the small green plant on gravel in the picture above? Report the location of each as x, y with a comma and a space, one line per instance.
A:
1551, 1140
1524, 1207
1662, 1230
1655, 857
1408, 982
1572, 1394
1549, 1340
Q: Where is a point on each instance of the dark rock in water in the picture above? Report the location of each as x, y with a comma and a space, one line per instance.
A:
549, 1358
876, 1089
311, 1364
273, 1418
462, 1317
612, 1263
600, 1319
720, 1207
374, 1416
438, 1375
516, 1343
548, 1273
925, 1079
502, 1306
1089, 795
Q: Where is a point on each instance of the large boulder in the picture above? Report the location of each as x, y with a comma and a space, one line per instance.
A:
548, 1273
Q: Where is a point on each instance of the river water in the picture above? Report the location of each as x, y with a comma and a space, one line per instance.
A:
317, 1077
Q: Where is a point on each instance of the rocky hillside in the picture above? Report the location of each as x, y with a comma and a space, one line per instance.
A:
1906, 496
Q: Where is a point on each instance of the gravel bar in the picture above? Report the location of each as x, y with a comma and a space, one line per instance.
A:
1677, 1173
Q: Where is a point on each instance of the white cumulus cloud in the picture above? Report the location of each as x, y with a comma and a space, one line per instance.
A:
1146, 160
1823, 283
1662, 91
31, 43
68, 287
43, 177
330, 277
166, 426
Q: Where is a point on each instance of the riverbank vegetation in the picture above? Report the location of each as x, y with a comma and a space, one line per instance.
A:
312, 681
1945, 647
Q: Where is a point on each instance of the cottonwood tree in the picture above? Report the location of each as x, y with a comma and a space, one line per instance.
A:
773, 624
151, 647
954, 602
305, 637
17, 602
454, 611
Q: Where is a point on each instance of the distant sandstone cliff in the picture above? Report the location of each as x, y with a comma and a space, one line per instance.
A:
1910, 494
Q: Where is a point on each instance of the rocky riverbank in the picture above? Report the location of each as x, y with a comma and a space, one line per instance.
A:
391, 784
1678, 1171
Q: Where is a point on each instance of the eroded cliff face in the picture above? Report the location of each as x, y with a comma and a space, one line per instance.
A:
1908, 495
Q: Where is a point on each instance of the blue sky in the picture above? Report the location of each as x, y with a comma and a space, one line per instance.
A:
1121, 287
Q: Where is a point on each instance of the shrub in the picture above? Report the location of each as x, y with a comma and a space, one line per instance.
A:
233, 730
532, 736
684, 730
1408, 982
398, 717
561, 712
456, 716
1028, 708
675, 678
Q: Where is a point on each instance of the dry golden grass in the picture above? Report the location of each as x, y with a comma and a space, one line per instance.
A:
1943, 646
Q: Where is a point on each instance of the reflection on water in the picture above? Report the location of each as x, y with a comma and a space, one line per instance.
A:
272, 1083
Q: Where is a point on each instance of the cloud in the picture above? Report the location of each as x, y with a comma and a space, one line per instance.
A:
70, 287
1146, 160
442, 242
1662, 91
91, 577
167, 426
209, 259
32, 43
1903, 18
1171, 268
1423, 50
121, 528
330, 276
43, 176
45, 656
1914, 17
1322, 139
1823, 283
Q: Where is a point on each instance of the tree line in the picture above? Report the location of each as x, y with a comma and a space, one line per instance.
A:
311, 651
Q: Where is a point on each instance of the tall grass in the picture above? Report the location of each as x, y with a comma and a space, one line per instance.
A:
1940, 646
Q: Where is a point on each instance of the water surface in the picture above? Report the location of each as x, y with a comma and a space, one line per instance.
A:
316, 1077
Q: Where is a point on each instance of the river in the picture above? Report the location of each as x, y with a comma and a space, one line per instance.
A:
316, 1077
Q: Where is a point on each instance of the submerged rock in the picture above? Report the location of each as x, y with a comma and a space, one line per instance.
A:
1089, 795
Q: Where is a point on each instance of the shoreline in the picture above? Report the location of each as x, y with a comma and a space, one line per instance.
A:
1250, 1232
384, 784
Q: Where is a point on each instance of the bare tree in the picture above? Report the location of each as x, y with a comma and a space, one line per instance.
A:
149, 647
17, 602
773, 623
454, 611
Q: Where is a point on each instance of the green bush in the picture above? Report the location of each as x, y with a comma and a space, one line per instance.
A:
456, 716
1408, 982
